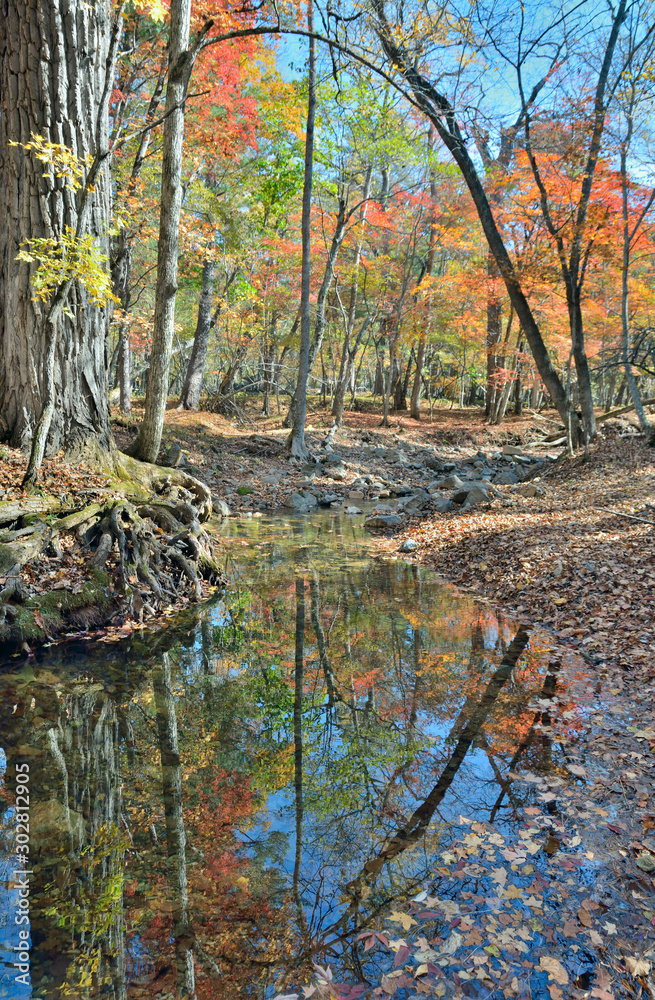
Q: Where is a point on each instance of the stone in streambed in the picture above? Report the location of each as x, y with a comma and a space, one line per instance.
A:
409, 545
383, 521
505, 478
220, 508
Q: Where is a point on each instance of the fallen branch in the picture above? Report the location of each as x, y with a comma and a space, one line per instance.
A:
600, 419
618, 513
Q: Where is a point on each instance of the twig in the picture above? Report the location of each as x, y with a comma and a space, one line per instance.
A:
618, 513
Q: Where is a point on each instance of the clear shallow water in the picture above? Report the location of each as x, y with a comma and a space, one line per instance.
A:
219, 799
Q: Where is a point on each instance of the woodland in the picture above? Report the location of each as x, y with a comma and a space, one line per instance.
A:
238, 209
303, 308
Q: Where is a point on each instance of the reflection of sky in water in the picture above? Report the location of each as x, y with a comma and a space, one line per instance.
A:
346, 816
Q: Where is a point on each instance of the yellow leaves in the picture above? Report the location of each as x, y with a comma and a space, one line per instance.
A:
513, 892
154, 9
402, 918
68, 258
555, 969
63, 160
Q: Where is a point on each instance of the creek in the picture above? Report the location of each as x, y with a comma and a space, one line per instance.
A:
248, 789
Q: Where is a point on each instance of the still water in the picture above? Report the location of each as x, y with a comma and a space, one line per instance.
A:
217, 805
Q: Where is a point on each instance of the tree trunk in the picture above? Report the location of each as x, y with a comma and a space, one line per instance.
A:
631, 381
180, 63
321, 301
494, 331
192, 387
50, 87
438, 110
297, 445
124, 374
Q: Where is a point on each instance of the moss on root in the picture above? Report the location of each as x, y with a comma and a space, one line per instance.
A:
47, 615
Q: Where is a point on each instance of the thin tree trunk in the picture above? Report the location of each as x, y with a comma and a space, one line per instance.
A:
192, 387
631, 381
124, 374
296, 442
180, 63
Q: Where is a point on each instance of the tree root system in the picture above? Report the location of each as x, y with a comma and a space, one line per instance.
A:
128, 555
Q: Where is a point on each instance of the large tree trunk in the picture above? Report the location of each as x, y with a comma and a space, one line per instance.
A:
50, 87
190, 396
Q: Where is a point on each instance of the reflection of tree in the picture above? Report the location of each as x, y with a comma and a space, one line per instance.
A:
171, 773
418, 822
297, 744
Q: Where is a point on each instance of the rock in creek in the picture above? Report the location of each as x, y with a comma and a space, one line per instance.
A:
409, 545
383, 521
220, 508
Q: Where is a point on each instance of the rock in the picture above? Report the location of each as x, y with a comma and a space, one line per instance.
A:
303, 498
409, 545
443, 506
434, 464
245, 491
175, 457
383, 521
451, 483
524, 460
475, 496
449, 466
220, 508
272, 480
334, 458
352, 510
326, 499
401, 490
531, 490
512, 449
505, 478
459, 496
338, 472
355, 495
413, 503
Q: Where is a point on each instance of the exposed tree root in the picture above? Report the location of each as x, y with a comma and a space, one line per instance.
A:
146, 541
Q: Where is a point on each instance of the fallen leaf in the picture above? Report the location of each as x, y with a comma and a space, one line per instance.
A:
570, 929
646, 862
577, 769
583, 917
555, 969
637, 966
402, 918
499, 875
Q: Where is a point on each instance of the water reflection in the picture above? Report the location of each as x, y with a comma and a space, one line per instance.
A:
216, 805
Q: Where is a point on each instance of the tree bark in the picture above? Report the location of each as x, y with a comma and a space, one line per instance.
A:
50, 87
191, 389
296, 443
180, 64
